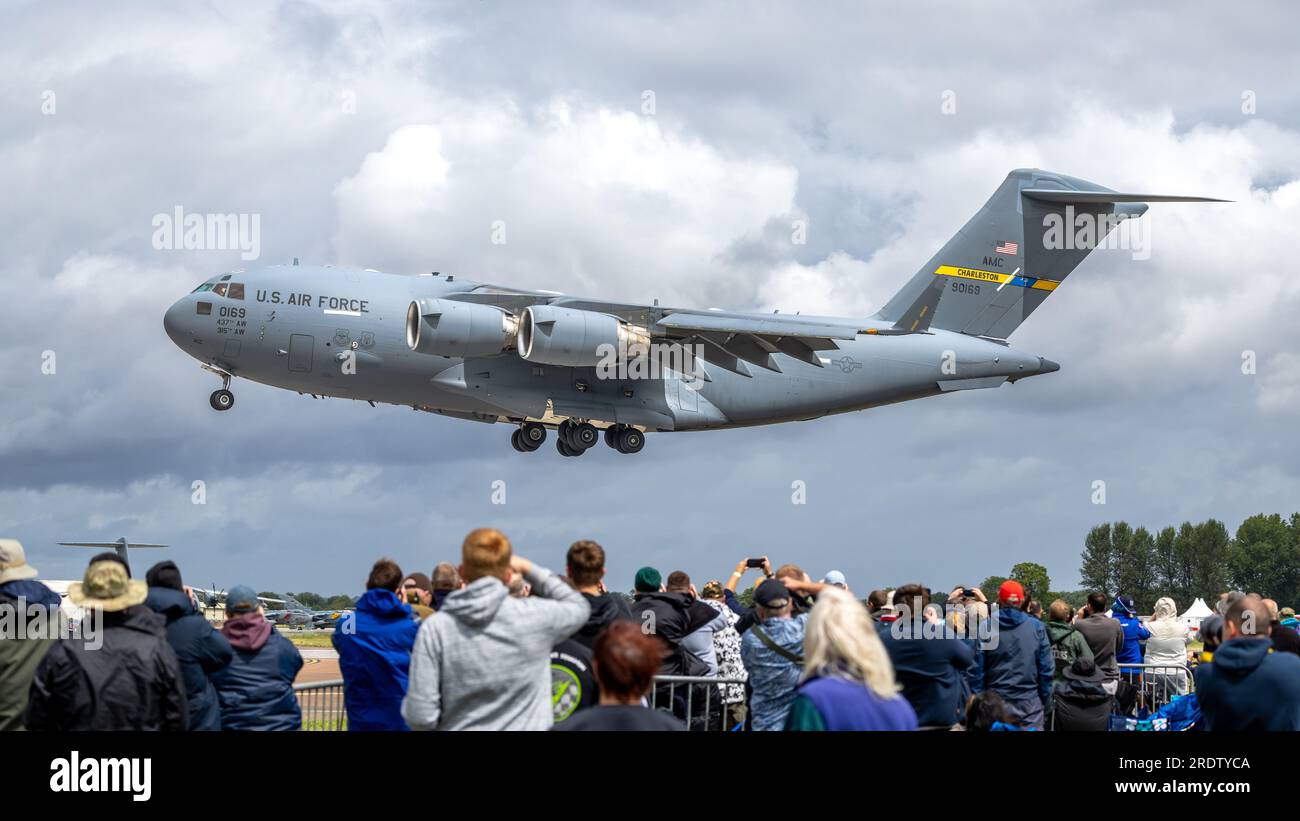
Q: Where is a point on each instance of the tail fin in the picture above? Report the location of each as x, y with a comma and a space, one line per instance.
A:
1006, 260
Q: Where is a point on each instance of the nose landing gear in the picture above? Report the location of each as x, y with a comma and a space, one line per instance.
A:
221, 399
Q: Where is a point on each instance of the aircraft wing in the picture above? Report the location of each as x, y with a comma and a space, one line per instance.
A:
733, 339
730, 340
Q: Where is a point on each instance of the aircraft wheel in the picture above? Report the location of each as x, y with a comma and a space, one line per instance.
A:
515, 443
564, 449
222, 400
631, 441
611, 436
563, 430
584, 435
532, 435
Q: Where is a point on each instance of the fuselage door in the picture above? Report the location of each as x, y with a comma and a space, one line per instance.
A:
300, 352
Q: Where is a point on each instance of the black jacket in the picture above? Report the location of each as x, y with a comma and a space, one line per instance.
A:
1081, 705
130, 682
200, 650
606, 609
671, 616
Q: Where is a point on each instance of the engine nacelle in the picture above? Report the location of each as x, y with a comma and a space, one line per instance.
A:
552, 335
445, 327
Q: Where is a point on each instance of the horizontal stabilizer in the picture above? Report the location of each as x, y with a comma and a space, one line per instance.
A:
1058, 195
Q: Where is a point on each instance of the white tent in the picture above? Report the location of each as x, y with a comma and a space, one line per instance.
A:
1198, 610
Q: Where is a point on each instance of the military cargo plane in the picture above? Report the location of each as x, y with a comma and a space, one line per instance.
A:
585, 367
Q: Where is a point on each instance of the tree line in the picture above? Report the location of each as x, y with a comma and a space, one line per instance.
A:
1195, 560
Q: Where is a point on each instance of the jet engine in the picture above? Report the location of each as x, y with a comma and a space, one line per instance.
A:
552, 335
445, 327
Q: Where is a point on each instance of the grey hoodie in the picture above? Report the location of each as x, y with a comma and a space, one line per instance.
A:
483, 661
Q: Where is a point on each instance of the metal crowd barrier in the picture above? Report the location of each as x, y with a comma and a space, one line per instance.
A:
322, 705
1158, 684
696, 700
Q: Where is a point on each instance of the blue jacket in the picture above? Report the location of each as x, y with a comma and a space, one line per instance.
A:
1248, 688
256, 687
374, 645
1021, 664
1134, 632
848, 706
931, 672
199, 648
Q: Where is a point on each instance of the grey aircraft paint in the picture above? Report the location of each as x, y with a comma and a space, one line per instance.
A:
488, 353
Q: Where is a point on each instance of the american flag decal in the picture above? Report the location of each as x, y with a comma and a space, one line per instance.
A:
1005, 247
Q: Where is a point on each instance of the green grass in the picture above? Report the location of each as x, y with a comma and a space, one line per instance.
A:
316, 638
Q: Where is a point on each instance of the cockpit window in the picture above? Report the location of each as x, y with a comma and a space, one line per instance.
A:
236, 290
207, 286
219, 289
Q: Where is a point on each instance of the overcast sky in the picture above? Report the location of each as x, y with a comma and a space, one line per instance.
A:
392, 135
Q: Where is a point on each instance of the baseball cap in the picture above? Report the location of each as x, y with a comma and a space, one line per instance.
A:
712, 590
772, 594
835, 577
1011, 593
242, 599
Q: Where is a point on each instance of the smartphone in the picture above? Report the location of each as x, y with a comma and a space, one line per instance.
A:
754, 563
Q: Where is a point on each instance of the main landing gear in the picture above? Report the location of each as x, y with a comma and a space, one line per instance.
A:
221, 399
528, 437
576, 438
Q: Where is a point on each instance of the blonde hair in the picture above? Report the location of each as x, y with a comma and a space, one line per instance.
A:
485, 552
841, 641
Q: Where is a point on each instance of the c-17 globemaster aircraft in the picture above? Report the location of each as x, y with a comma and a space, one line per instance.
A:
543, 360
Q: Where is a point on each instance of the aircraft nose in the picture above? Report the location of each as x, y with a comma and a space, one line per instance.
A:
1047, 366
174, 323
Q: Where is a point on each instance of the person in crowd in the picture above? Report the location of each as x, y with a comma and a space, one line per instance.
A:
1211, 634
1105, 637
772, 651
1288, 619
835, 579
729, 590
200, 649
22, 600
1167, 647
877, 600
1248, 687
417, 593
1124, 611
1227, 600
1068, 644
847, 682
799, 602
119, 673
699, 642
1080, 698
1285, 639
726, 647
446, 580
625, 661
1034, 609
256, 688
573, 681
483, 660
1020, 667
929, 660
988, 712
671, 615
374, 645
585, 564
